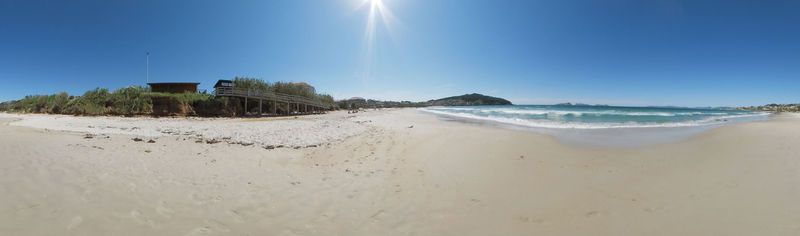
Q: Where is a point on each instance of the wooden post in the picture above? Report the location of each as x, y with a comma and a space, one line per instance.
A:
274, 107
245, 104
260, 106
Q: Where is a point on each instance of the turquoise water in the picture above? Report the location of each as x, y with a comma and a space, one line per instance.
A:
597, 117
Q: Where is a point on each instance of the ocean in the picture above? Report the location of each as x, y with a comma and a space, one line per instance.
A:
597, 117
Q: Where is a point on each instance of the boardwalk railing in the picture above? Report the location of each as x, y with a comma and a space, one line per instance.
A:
271, 96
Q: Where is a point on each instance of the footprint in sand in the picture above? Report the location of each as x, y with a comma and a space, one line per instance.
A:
239, 215
592, 213
199, 231
137, 216
164, 210
217, 226
212, 227
74, 222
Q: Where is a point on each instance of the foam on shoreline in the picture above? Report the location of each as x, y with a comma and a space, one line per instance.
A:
552, 124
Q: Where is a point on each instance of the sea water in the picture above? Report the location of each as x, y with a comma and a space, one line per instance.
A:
603, 125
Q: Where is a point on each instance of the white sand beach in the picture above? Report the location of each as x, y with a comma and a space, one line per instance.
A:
390, 172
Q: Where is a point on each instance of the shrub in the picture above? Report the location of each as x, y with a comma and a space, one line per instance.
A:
6, 106
327, 99
177, 104
252, 84
218, 106
57, 103
39, 103
291, 88
133, 100
93, 102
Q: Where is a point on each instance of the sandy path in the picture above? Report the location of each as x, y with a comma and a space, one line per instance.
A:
437, 178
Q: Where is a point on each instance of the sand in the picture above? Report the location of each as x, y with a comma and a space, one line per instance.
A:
394, 172
285, 131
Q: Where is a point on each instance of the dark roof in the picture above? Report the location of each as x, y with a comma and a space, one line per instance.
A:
219, 83
165, 83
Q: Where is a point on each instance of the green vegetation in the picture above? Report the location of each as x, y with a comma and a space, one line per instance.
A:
298, 89
52, 104
469, 100
5, 106
357, 103
93, 102
138, 100
134, 100
252, 84
774, 108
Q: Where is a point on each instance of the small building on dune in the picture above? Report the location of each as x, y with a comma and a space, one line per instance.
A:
165, 105
174, 87
223, 84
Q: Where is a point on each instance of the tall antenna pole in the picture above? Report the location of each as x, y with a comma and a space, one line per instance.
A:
148, 66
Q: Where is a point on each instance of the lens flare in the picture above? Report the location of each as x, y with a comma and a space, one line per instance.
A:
377, 11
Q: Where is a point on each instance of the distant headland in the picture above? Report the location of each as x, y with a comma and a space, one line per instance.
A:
473, 99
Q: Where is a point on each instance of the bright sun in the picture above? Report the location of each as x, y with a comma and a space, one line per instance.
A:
378, 11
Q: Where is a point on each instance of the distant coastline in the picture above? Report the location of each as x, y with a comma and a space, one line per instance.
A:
778, 108
473, 99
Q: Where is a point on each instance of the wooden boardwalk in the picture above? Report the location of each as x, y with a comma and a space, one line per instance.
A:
281, 104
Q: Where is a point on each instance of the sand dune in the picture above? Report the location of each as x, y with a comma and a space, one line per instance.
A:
374, 175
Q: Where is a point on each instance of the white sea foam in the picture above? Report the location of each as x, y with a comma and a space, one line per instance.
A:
714, 118
571, 113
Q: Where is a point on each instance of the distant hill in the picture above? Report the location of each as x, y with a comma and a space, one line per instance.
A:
463, 100
469, 100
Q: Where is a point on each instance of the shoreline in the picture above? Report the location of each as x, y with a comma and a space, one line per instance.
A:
405, 173
615, 137
634, 137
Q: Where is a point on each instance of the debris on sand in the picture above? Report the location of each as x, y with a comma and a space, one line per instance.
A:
151, 141
269, 147
411, 127
289, 132
212, 141
148, 151
243, 143
137, 139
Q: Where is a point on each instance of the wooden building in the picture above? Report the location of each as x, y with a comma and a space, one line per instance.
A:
166, 105
223, 84
173, 87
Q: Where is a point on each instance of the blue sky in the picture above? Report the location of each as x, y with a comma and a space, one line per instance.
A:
659, 52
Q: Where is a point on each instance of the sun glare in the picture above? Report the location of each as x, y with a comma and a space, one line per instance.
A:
377, 11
